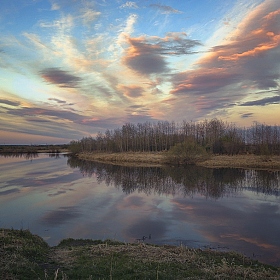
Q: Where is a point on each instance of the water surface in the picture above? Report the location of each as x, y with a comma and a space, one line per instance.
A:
61, 197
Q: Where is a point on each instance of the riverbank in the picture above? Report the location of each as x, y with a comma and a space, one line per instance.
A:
27, 256
158, 159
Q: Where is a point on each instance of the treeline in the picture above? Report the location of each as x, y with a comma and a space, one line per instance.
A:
216, 136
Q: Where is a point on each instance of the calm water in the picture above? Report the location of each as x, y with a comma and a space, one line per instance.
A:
60, 197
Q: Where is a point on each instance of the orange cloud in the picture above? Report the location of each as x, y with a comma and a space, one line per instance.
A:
147, 54
247, 57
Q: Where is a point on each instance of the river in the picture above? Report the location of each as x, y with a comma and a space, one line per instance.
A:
58, 197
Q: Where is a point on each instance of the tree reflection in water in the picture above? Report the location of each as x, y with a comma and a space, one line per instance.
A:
28, 155
187, 181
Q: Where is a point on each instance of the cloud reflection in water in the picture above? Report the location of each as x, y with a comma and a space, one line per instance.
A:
223, 208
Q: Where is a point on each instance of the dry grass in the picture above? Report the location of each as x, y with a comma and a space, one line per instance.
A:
131, 158
145, 261
244, 161
159, 158
26, 256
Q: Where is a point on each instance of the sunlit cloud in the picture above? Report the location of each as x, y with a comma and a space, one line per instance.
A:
146, 55
244, 60
106, 62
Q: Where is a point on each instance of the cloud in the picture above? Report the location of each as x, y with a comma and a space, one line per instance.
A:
147, 55
55, 7
245, 61
176, 43
38, 111
263, 102
60, 216
60, 77
246, 115
89, 15
165, 9
131, 91
129, 4
45, 121
9, 102
10, 191
138, 110
143, 58
203, 82
144, 227
35, 39
57, 100
63, 102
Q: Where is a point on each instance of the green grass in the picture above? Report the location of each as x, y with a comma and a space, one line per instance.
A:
27, 256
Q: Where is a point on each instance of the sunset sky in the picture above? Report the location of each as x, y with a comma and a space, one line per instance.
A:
72, 68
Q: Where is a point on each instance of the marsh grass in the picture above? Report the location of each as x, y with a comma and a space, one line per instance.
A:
161, 158
27, 256
244, 161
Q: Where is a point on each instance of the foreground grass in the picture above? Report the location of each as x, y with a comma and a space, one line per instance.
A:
26, 256
159, 158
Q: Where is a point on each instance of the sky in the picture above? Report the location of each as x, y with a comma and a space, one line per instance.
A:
72, 68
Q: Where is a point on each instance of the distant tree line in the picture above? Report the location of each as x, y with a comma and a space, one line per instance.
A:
215, 136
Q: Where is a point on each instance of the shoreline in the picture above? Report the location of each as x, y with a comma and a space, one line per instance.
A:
158, 159
27, 256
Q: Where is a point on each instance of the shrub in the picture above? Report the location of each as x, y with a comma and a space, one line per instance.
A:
188, 152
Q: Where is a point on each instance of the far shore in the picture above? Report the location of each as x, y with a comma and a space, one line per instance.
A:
247, 161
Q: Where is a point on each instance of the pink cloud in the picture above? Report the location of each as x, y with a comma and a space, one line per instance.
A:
245, 59
147, 55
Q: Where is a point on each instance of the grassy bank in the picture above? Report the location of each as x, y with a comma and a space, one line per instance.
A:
27, 256
131, 158
156, 159
244, 161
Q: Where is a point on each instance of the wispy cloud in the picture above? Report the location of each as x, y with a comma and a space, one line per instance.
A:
129, 4
9, 102
89, 15
165, 9
55, 7
263, 101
